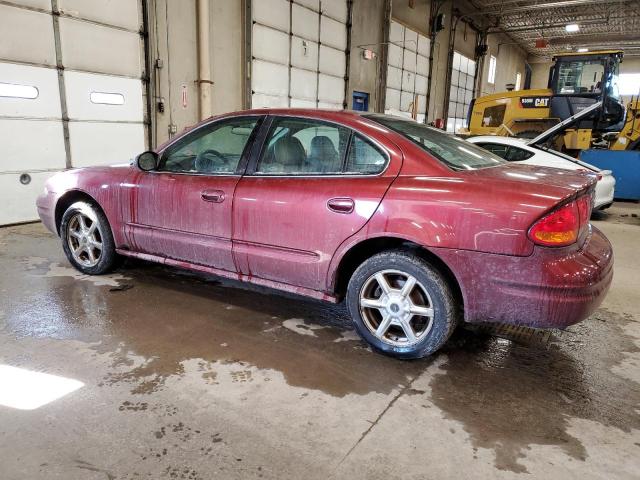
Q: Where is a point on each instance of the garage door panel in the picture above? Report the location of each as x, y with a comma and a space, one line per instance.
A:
330, 89
304, 53
333, 33
394, 78
396, 33
408, 81
109, 51
424, 45
330, 106
92, 143
423, 65
274, 13
92, 96
303, 84
392, 101
19, 201
336, 9
27, 36
409, 61
32, 145
270, 78
39, 81
421, 84
304, 22
302, 103
312, 4
332, 61
121, 13
260, 100
270, 44
406, 100
411, 40
395, 56
40, 4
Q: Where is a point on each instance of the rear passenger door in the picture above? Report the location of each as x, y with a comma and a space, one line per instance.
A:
310, 186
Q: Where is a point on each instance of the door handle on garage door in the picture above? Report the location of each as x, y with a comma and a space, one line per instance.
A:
214, 196
341, 205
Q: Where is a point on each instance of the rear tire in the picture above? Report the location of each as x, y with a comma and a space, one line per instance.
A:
401, 305
87, 240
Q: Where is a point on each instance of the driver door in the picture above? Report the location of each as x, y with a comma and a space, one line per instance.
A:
183, 210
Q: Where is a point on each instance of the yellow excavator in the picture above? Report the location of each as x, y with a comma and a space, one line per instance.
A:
576, 82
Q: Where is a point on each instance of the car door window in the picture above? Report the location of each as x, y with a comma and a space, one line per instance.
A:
303, 147
364, 158
212, 149
516, 154
496, 148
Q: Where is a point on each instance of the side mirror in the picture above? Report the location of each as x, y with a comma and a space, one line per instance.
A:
147, 161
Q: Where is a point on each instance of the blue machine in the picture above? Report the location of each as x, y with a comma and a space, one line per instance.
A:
625, 166
360, 101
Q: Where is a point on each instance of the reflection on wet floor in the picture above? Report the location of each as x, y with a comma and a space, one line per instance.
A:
151, 321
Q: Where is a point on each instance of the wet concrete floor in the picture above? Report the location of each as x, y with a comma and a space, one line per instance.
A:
187, 376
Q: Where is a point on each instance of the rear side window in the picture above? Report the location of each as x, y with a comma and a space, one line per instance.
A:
495, 148
516, 154
454, 152
303, 147
364, 158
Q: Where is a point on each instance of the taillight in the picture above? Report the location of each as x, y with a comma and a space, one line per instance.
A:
562, 227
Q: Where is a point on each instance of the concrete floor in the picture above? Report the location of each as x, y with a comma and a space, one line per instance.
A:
189, 377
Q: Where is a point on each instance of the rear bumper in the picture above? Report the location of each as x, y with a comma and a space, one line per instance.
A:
552, 288
605, 189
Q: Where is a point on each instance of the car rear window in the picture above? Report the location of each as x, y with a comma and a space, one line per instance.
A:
456, 153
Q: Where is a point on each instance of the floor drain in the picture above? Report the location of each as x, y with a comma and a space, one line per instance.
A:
519, 333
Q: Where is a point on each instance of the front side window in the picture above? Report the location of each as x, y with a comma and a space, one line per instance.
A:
454, 152
212, 149
298, 146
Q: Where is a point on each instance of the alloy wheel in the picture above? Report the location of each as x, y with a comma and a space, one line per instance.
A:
396, 308
84, 240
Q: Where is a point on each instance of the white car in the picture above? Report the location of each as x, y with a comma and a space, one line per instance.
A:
519, 150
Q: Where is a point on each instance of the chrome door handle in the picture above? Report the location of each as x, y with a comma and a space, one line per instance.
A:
214, 196
341, 205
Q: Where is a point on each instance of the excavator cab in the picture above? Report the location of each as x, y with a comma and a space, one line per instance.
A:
577, 81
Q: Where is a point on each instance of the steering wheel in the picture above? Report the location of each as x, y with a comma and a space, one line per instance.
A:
210, 160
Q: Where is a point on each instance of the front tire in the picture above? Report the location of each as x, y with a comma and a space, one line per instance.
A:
401, 305
87, 240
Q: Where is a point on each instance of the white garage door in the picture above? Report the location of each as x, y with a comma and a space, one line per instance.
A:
463, 73
95, 99
407, 72
298, 53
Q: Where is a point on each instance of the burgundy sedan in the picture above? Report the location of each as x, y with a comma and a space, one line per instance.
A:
416, 229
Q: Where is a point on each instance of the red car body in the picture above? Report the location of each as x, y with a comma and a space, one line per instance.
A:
279, 232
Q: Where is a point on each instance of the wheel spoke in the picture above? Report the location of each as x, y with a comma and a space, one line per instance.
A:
97, 245
75, 233
384, 326
92, 256
408, 331
78, 250
371, 303
422, 311
407, 288
82, 223
382, 282
92, 228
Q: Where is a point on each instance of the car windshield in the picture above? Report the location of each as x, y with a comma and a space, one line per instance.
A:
456, 153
